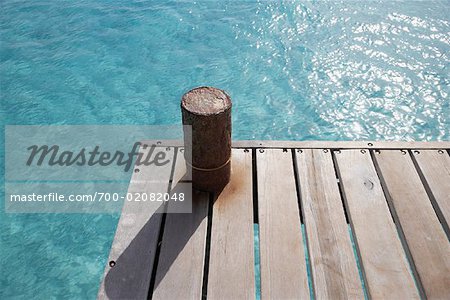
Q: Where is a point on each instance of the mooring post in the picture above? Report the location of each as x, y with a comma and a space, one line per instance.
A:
208, 111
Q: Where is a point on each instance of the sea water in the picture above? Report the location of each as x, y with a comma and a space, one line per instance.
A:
321, 70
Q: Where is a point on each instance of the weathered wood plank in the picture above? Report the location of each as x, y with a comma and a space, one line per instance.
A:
180, 266
231, 267
134, 246
424, 234
283, 265
181, 172
322, 144
384, 261
334, 268
342, 144
435, 166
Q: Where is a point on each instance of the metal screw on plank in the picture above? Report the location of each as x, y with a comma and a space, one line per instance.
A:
158, 143
112, 263
370, 144
404, 152
363, 151
245, 150
325, 150
299, 151
261, 150
136, 170
377, 151
337, 151
167, 148
181, 150
285, 150
440, 151
416, 152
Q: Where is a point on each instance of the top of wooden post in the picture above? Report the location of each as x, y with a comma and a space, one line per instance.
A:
206, 101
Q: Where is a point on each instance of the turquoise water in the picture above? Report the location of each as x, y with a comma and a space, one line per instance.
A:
318, 70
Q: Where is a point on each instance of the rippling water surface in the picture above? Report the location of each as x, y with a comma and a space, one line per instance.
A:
320, 70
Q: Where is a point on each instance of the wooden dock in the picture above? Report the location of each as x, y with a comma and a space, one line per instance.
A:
364, 219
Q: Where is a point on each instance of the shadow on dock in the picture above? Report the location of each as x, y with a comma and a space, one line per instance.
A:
143, 265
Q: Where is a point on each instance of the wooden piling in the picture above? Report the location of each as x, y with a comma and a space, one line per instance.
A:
208, 145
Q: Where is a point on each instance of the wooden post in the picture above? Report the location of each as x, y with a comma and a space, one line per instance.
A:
208, 111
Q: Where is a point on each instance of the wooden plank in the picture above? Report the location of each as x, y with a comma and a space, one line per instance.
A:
384, 262
181, 173
283, 264
231, 267
424, 234
134, 246
334, 268
435, 166
342, 144
180, 266
321, 144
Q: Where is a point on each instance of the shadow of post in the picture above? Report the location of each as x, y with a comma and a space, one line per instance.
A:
130, 276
